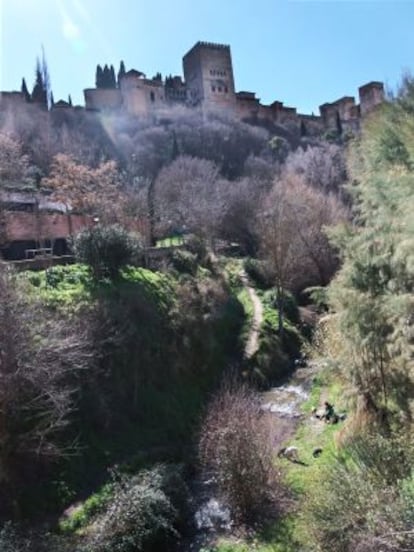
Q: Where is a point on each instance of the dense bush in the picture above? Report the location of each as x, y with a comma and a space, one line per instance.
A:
107, 249
256, 270
143, 513
236, 444
185, 261
290, 307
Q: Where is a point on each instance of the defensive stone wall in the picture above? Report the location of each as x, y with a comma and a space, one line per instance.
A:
208, 86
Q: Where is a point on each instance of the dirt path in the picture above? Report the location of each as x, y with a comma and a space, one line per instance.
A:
252, 343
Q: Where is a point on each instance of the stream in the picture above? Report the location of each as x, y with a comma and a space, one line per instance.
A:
211, 517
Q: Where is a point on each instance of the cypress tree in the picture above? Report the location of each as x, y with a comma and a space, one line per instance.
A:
39, 95
46, 79
121, 71
25, 91
106, 77
99, 77
70, 100
112, 77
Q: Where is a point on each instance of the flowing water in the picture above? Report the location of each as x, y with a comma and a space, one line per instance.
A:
211, 517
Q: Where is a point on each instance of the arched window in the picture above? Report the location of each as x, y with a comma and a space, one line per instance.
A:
152, 96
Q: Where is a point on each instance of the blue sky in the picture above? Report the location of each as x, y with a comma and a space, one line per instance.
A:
301, 52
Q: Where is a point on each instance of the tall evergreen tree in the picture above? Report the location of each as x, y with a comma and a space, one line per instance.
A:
25, 91
46, 79
99, 77
372, 293
70, 100
106, 80
121, 71
39, 95
112, 77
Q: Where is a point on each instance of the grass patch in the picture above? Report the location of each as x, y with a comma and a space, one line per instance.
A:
170, 241
277, 537
82, 515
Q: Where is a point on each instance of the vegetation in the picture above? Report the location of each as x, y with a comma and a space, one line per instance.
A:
236, 444
106, 250
106, 367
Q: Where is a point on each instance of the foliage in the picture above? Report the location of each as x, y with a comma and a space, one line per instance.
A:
256, 270
184, 261
106, 250
92, 506
363, 500
373, 291
95, 191
40, 356
142, 514
236, 444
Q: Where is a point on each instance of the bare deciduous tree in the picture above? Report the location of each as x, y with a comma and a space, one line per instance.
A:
39, 355
322, 166
236, 444
189, 195
15, 168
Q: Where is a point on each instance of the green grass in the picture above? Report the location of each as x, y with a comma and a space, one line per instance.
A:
170, 241
244, 298
82, 515
277, 537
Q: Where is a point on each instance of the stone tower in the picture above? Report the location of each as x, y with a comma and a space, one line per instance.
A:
208, 74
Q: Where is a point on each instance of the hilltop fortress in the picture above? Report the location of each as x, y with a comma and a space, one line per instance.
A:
208, 88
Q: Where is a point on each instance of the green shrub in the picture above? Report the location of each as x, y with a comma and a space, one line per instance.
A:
185, 262
290, 307
197, 246
106, 249
143, 512
257, 272
92, 506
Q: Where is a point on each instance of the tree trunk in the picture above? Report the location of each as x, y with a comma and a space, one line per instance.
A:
280, 310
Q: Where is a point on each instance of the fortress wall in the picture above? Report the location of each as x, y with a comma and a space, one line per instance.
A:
100, 99
142, 97
371, 95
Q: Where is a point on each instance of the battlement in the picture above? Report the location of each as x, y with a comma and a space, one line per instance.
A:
208, 86
208, 45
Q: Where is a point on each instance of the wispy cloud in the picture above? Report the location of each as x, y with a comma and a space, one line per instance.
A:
71, 29
81, 10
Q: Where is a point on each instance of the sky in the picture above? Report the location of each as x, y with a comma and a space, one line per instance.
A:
301, 52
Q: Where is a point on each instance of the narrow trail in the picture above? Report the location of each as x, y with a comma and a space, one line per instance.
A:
252, 343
